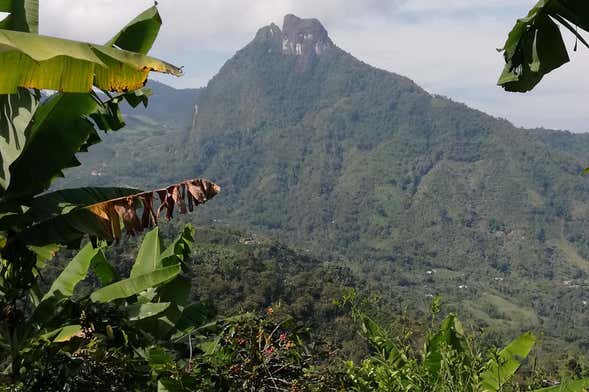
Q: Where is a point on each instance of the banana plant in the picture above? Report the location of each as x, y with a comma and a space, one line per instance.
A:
59, 316
502, 366
40, 138
31, 61
54, 131
446, 362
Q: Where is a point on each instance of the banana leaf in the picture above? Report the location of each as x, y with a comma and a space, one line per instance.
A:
498, 372
50, 63
133, 286
96, 214
64, 217
69, 332
535, 46
64, 334
75, 272
65, 122
16, 113
179, 251
148, 259
139, 34
450, 336
178, 290
138, 312
61, 127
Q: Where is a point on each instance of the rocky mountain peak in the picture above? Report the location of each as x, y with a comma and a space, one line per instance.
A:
303, 37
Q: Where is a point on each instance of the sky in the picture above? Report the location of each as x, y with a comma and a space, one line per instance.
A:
446, 46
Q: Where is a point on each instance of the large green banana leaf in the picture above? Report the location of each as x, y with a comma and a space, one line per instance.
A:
75, 272
148, 259
65, 121
450, 336
535, 45
179, 251
133, 286
65, 334
140, 34
24, 15
16, 113
61, 127
498, 372
176, 292
139, 311
104, 271
70, 66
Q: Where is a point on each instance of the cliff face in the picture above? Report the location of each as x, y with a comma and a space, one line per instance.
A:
304, 37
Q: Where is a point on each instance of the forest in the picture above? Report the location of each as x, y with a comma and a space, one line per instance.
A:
332, 239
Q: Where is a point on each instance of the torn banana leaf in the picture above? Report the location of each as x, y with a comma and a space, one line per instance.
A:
535, 46
71, 218
42, 62
139, 34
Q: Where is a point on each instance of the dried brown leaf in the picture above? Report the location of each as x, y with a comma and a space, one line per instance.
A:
111, 213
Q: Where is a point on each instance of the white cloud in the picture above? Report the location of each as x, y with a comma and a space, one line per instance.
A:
460, 5
446, 46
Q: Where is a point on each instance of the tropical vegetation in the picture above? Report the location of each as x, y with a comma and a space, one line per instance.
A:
81, 309
35, 224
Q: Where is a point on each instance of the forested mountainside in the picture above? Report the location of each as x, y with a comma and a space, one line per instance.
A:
350, 162
168, 105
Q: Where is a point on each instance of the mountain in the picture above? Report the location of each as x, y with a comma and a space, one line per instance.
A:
323, 150
424, 195
315, 143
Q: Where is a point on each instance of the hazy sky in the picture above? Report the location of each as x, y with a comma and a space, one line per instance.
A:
446, 46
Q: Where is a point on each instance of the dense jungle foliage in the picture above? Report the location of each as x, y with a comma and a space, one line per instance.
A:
264, 347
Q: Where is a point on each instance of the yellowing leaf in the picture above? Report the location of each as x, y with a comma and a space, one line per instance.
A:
69, 332
42, 62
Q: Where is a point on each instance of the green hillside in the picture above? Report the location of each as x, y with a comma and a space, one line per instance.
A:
424, 195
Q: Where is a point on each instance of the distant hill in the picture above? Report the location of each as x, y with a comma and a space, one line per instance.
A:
167, 105
149, 151
351, 162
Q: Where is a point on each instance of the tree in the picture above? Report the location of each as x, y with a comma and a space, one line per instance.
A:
39, 139
127, 315
535, 45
